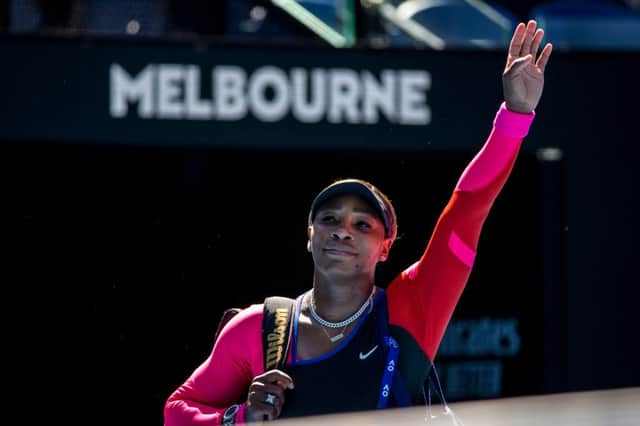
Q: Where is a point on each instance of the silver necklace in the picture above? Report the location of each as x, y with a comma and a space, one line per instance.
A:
337, 336
342, 324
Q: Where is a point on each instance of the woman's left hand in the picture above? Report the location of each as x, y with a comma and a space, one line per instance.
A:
523, 76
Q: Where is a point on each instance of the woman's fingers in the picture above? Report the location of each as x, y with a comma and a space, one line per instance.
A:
537, 39
527, 39
277, 376
544, 57
266, 394
516, 41
269, 389
517, 66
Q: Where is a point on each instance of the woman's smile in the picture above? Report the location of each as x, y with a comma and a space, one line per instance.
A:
340, 252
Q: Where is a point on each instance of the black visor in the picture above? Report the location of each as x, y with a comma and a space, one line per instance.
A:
357, 188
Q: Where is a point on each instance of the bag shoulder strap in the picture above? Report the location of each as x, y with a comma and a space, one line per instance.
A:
276, 330
226, 316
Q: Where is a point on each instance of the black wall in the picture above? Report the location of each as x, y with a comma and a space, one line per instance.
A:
121, 254
128, 257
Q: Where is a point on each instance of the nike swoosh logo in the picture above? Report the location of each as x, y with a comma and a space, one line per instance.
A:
365, 356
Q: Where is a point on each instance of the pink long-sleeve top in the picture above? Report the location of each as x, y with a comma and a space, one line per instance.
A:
421, 299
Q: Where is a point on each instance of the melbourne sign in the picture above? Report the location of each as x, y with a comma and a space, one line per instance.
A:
269, 94
232, 97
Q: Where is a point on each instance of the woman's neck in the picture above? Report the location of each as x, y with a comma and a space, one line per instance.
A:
335, 302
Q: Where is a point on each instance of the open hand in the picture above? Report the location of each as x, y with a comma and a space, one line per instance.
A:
523, 76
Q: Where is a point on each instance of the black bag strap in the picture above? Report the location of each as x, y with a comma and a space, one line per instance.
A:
276, 330
226, 316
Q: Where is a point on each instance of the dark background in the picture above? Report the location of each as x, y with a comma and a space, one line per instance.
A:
121, 254
129, 256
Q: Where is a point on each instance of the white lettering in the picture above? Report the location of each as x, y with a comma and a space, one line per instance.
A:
125, 89
270, 94
197, 108
310, 111
344, 89
170, 83
378, 96
413, 107
228, 87
272, 108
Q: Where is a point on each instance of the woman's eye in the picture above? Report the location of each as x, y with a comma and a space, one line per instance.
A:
364, 225
328, 219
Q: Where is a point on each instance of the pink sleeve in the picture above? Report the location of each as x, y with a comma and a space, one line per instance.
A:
494, 156
423, 297
223, 378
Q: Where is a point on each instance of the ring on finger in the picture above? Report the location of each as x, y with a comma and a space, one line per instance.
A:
270, 399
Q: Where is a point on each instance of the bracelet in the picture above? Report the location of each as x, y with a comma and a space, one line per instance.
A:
229, 416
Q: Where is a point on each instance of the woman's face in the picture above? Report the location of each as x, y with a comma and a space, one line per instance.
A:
347, 237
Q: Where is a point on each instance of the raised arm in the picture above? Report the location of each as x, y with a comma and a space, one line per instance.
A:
423, 297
